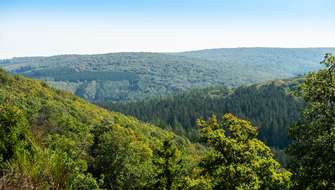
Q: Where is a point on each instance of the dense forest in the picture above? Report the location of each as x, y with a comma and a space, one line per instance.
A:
51, 139
136, 76
271, 106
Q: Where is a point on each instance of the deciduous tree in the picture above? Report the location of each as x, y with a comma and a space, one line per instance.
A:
237, 159
313, 150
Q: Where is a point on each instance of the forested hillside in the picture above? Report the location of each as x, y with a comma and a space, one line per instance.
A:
271, 107
51, 139
135, 76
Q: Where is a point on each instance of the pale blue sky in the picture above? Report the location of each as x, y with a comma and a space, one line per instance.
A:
42, 27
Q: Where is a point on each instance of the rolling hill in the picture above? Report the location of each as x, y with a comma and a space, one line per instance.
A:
123, 77
51, 138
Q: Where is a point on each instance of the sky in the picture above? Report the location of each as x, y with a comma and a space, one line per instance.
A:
45, 27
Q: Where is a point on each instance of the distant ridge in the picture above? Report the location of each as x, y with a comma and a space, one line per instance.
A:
128, 76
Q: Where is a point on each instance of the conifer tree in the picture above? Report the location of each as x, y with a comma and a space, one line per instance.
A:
168, 166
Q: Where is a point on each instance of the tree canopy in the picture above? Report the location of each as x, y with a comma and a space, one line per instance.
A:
237, 159
313, 149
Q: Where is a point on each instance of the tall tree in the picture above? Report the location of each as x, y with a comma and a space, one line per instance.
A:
168, 166
237, 159
120, 156
313, 150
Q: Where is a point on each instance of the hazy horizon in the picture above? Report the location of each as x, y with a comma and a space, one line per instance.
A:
45, 28
107, 52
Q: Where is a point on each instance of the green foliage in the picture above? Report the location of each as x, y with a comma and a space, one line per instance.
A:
136, 76
270, 106
51, 139
168, 166
14, 134
55, 167
198, 183
313, 149
122, 158
73, 76
237, 159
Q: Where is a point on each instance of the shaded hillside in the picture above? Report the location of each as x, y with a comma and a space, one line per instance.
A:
50, 138
269, 106
136, 76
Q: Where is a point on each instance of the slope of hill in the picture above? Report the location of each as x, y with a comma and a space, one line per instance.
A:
269, 106
279, 61
57, 138
136, 76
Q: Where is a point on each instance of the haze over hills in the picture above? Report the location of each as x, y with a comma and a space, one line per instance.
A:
135, 76
167, 95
